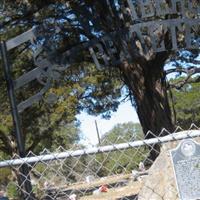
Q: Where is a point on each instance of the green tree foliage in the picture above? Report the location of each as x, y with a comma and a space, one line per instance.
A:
186, 102
5, 176
81, 87
12, 191
122, 161
123, 133
43, 125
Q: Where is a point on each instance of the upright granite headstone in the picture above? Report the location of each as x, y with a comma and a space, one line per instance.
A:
186, 164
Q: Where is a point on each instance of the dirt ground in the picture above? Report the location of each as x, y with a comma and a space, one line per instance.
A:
131, 190
120, 187
107, 180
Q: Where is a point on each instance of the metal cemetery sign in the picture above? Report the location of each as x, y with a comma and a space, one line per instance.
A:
44, 72
186, 163
149, 27
181, 25
157, 26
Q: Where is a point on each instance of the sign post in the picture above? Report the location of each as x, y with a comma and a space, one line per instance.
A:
24, 171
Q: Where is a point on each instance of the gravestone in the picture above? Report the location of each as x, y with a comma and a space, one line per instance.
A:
186, 165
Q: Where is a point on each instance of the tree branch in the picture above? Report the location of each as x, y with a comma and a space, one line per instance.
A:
28, 15
190, 70
6, 143
178, 85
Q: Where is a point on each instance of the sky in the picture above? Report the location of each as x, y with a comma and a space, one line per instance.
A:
125, 113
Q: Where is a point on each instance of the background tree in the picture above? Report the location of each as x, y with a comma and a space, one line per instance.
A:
121, 133
45, 125
186, 104
41, 125
122, 161
70, 23
184, 88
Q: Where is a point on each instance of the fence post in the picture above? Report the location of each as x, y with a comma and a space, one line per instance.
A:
24, 178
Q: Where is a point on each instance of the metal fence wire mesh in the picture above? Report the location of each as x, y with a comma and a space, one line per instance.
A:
112, 171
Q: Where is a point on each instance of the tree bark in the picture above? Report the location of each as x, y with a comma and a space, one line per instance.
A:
147, 84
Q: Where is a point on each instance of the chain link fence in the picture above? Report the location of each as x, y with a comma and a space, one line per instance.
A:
117, 171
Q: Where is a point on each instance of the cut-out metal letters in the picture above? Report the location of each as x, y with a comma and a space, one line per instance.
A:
147, 9
29, 35
148, 27
133, 13
110, 46
94, 57
161, 8
34, 99
43, 72
176, 27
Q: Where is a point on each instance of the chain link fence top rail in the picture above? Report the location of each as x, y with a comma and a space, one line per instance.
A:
112, 171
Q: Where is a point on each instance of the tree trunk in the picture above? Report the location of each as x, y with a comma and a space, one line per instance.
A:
146, 81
